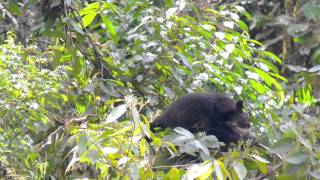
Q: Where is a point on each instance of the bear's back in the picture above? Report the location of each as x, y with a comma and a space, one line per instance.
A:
196, 109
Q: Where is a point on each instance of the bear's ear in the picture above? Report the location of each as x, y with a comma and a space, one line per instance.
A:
240, 105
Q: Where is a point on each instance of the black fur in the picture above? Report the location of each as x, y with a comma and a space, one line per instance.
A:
215, 114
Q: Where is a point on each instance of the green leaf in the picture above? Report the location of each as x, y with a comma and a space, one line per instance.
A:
82, 103
112, 31
91, 8
243, 26
282, 146
225, 172
261, 163
173, 174
311, 11
78, 67
116, 113
169, 3
183, 132
87, 19
142, 147
15, 9
297, 158
202, 171
261, 159
240, 170
218, 170
261, 89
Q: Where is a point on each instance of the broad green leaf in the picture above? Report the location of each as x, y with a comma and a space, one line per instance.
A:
243, 26
282, 146
173, 174
156, 141
297, 158
87, 19
311, 11
270, 65
202, 171
240, 170
169, 3
82, 103
116, 113
261, 159
183, 132
260, 88
225, 172
91, 8
261, 163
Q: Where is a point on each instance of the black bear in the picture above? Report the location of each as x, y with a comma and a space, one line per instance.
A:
215, 114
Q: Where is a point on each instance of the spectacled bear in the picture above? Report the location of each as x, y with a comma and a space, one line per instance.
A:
215, 114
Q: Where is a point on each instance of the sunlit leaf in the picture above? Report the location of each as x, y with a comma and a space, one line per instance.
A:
218, 170
200, 171
116, 113
87, 19
123, 160
109, 150
142, 147
184, 132
174, 174
240, 170
261, 163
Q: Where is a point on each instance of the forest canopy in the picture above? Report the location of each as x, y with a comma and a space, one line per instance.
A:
81, 82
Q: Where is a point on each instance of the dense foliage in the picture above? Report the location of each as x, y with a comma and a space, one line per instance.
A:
77, 94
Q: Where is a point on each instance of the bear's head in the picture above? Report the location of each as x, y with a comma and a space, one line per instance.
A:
238, 122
